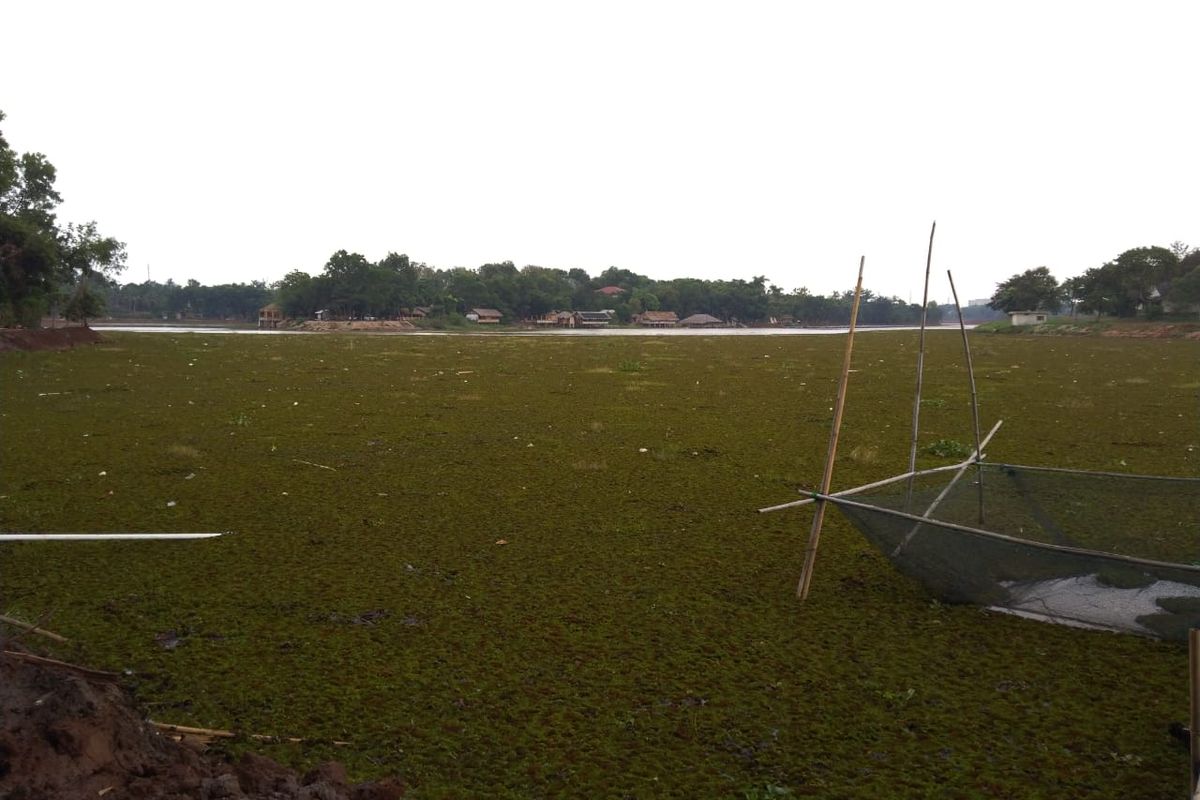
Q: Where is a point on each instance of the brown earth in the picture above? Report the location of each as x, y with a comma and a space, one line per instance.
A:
46, 338
66, 737
382, 325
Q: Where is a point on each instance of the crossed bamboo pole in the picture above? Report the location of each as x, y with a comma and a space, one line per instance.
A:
814, 536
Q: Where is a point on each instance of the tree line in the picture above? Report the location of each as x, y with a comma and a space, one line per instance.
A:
1143, 281
352, 287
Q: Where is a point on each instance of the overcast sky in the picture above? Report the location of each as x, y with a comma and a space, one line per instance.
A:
238, 141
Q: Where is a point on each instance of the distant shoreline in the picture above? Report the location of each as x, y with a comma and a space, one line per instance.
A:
581, 332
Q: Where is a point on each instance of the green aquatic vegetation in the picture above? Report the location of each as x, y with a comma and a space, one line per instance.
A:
947, 448
636, 633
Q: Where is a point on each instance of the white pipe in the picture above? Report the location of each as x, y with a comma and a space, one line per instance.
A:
93, 537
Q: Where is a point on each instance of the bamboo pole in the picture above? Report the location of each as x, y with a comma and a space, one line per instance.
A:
1174, 478
962, 327
916, 414
1194, 717
903, 476
814, 536
30, 627
74, 669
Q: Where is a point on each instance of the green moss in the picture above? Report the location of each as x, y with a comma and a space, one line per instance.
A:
637, 634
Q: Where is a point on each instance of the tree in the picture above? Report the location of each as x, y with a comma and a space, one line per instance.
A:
1186, 290
1181, 249
28, 259
84, 304
37, 257
1073, 292
1141, 277
302, 295
1032, 290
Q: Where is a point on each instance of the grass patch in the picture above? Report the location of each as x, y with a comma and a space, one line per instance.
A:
947, 448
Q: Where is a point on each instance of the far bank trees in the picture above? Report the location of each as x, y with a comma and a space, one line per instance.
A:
1032, 290
1143, 281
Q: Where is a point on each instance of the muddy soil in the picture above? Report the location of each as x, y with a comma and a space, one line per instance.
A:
66, 737
46, 338
357, 325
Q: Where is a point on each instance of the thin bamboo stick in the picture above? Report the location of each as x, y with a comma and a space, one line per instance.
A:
1194, 717
916, 414
216, 733
974, 395
814, 536
867, 486
994, 464
83, 672
1066, 471
937, 501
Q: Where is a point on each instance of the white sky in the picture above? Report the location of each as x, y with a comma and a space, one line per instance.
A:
238, 141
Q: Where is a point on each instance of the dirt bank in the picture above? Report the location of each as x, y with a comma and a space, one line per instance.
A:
383, 325
46, 338
66, 737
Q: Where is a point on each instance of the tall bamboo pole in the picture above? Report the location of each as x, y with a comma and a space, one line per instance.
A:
814, 536
916, 415
962, 327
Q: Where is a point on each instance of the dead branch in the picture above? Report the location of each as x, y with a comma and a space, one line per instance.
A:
29, 627
215, 733
74, 669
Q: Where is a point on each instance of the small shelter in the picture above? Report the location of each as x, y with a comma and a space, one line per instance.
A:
700, 321
657, 319
485, 316
591, 319
270, 316
610, 291
1027, 317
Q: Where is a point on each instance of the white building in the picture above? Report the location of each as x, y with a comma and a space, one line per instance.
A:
1027, 317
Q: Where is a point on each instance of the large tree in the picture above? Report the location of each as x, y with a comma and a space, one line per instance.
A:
1137, 280
40, 261
1185, 289
1032, 290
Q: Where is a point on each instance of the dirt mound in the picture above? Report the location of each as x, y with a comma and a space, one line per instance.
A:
69, 738
379, 326
46, 338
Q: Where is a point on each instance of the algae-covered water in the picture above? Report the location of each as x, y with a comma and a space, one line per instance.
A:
532, 567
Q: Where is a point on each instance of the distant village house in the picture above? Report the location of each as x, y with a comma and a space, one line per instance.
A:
484, 316
657, 319
700, 321
591, 319
270, 316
